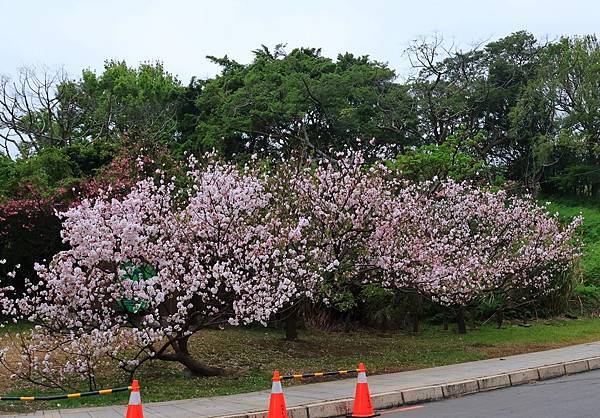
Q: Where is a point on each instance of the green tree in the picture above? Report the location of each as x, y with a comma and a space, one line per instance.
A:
572, 78
453, 159
136, 102
301, 100
472, 93
43, 109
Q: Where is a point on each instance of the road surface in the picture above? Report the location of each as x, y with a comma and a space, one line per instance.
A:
576, 396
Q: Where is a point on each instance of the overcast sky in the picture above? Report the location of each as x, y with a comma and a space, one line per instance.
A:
180, 33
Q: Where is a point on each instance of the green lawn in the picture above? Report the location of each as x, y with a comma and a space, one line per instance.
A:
590, 233
252, 354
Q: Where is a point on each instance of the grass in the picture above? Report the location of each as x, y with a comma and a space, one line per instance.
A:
590, 232
252, 354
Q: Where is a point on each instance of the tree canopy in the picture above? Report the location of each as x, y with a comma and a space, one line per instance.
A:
525, 110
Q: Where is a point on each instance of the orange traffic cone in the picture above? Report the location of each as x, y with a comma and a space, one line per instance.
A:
277, 403
362, 399
134, 409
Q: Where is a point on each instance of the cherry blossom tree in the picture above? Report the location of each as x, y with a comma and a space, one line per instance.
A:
342, 203
146, 272
454, 243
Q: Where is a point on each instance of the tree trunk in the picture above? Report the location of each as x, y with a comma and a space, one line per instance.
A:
460, 320
415, 323
193, 366
595, 188
290, 325
417, 307
499, 319
198, 369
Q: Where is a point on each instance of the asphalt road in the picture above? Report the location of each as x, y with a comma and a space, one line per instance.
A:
575, 396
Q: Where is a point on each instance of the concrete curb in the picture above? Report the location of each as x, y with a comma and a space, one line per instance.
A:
394, 399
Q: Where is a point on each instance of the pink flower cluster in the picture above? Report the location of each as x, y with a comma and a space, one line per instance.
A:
454, 242
341, 203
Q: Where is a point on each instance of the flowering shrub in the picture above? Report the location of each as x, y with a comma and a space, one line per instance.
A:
146, 271
342, 202
455, 243
30, 231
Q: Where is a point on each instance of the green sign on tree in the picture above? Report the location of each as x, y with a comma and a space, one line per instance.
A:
135, 274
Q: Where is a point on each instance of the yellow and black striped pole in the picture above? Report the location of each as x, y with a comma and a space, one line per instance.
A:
65, 395
128, 388
318, 374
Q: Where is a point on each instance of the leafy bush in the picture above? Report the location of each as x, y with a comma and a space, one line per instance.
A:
53, 168
588, 297
577, 178
448, 160
29, 227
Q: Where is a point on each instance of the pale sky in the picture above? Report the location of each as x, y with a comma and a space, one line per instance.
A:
180, 33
